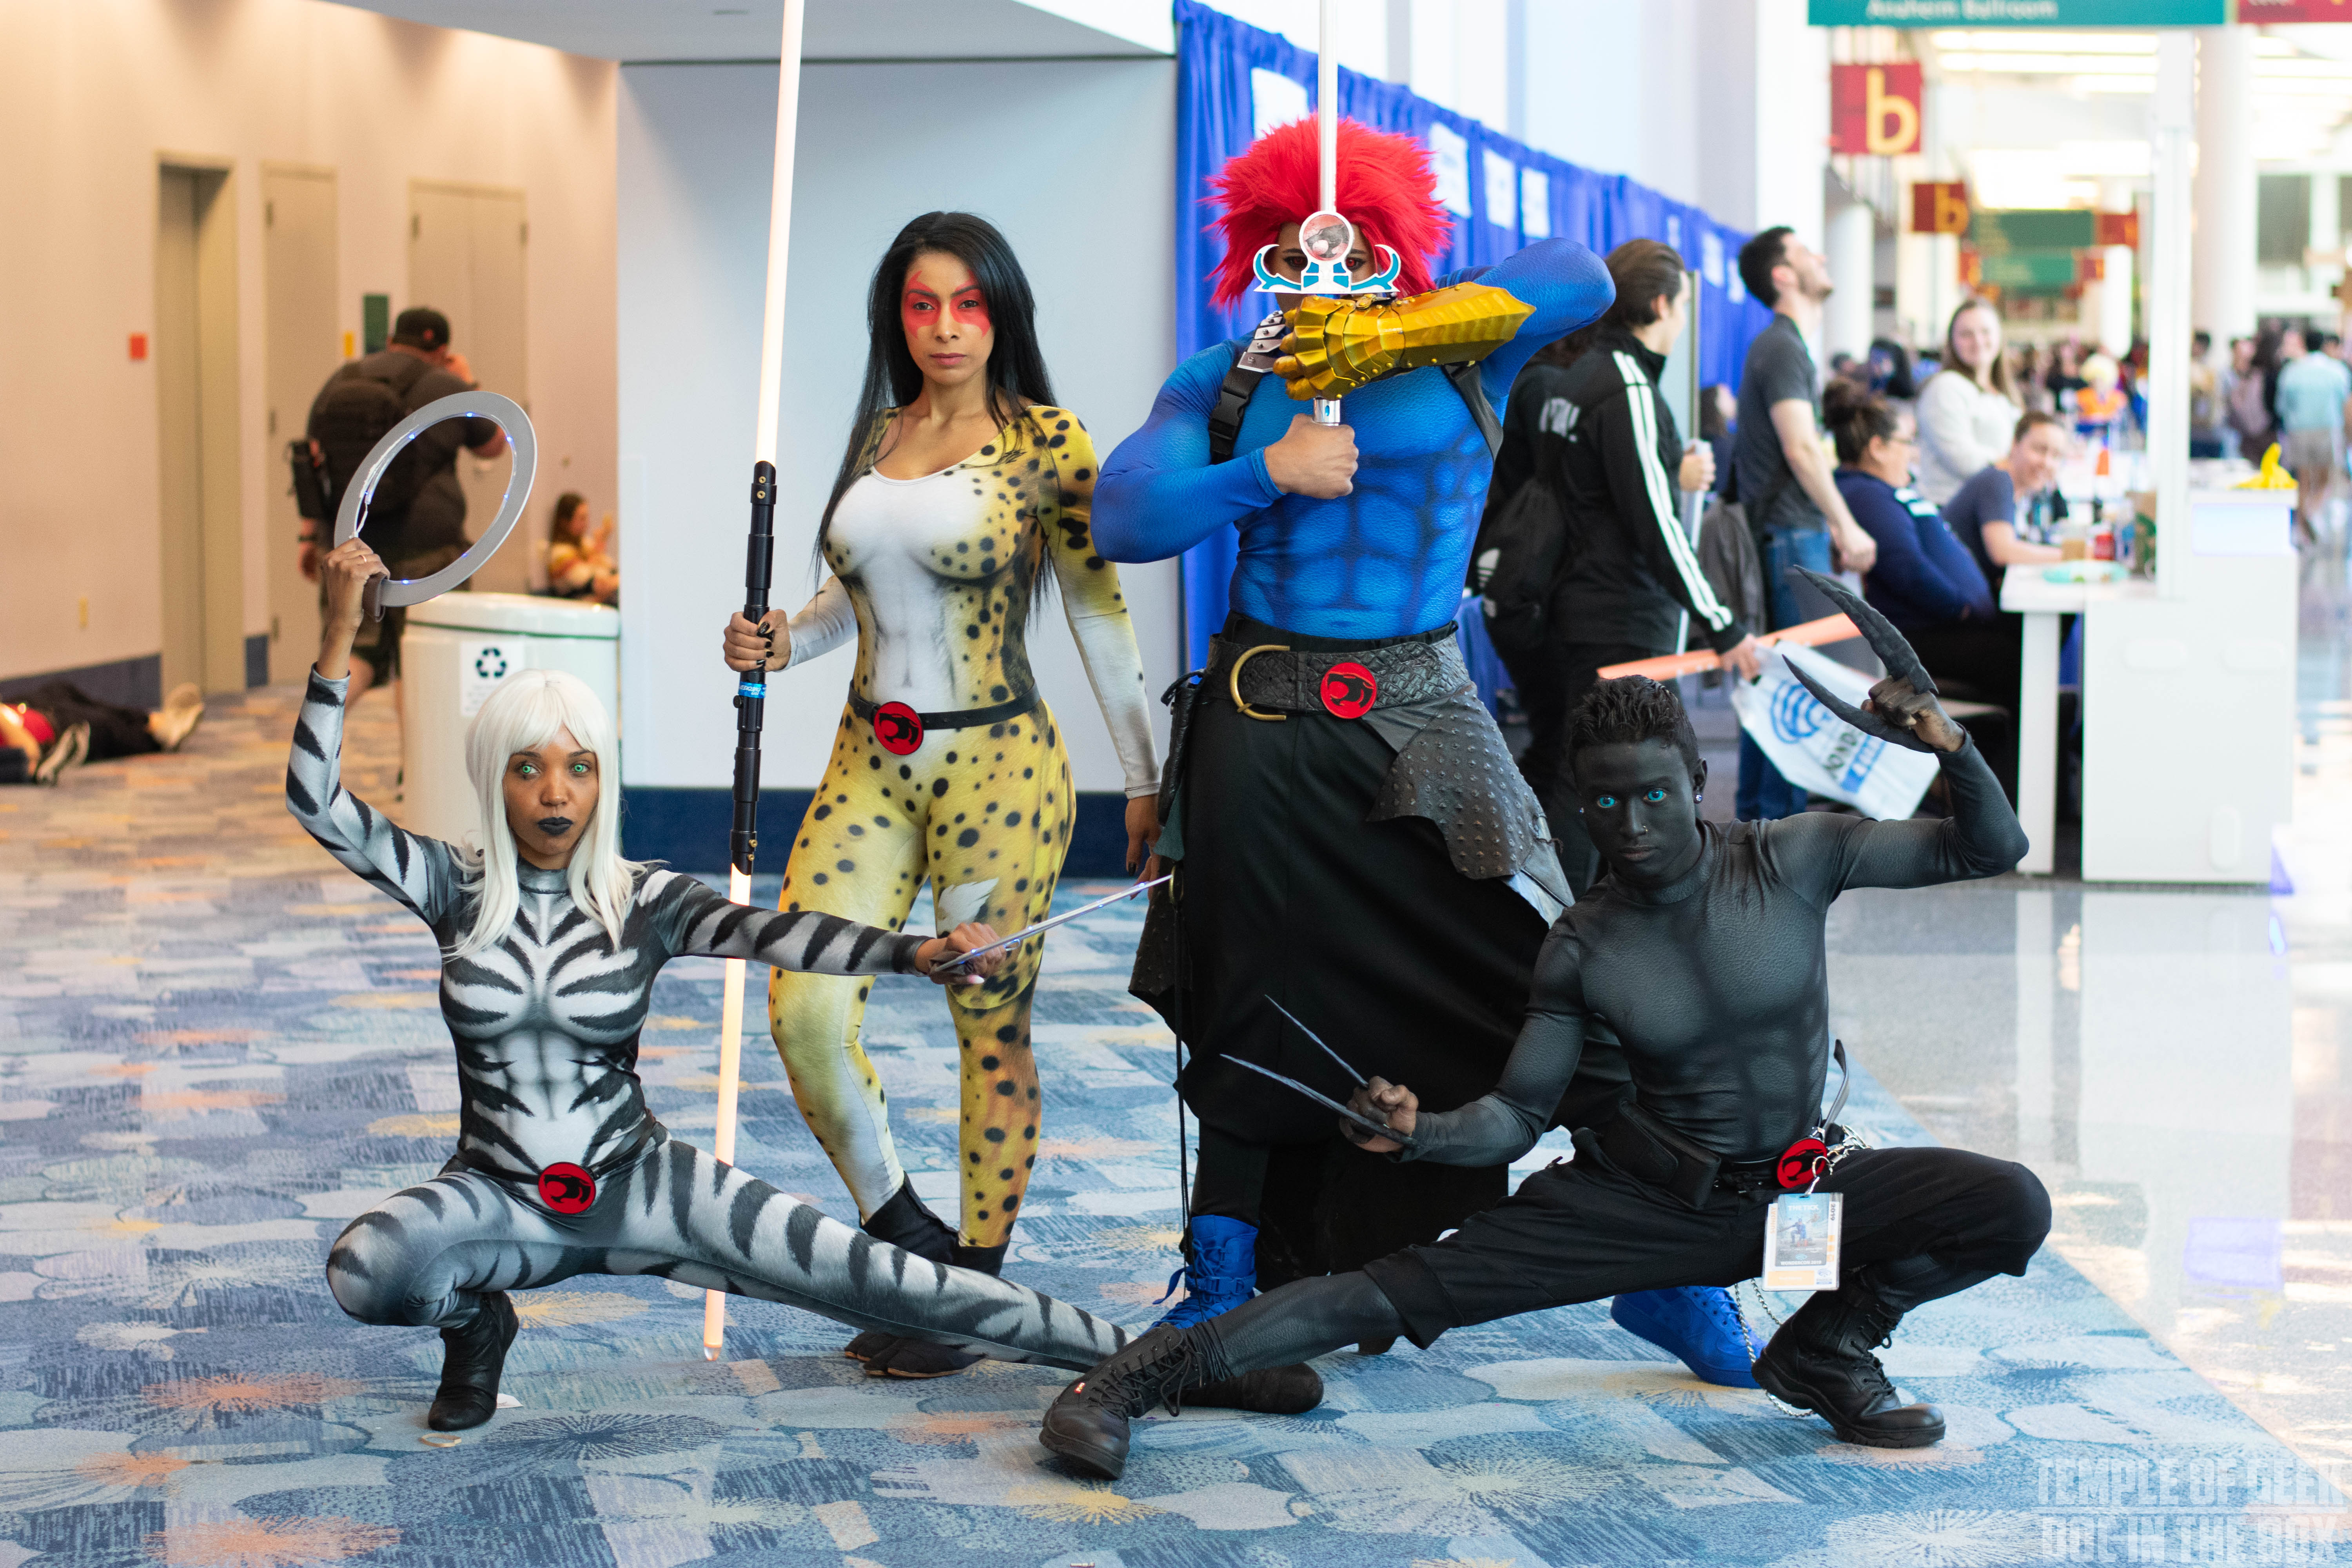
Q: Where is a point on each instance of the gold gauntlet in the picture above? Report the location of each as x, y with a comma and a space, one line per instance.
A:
1337, 345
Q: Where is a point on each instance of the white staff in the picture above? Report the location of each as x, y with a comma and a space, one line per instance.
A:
763, 449
1326, 126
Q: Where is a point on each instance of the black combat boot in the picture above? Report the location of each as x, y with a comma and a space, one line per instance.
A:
1087, 1423
905, 1222
472, 1356
1821, 1361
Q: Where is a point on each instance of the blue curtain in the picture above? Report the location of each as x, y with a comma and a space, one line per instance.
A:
1494, 183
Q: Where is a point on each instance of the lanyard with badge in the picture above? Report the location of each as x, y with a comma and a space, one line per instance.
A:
1804, 1231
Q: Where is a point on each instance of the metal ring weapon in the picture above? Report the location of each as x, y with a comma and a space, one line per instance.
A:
351, 515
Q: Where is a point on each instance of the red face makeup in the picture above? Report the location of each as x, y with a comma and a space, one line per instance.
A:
920, 309
945, 317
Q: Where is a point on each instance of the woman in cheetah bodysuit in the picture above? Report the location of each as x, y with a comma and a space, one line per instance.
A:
962, 499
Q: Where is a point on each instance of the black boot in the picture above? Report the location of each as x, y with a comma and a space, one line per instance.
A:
1821, 1361
907, 1223
472, 1356
1088, 1423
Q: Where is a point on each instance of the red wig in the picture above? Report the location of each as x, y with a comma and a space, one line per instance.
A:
1386, 190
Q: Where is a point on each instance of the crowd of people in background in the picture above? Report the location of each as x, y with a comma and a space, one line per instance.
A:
1945, 474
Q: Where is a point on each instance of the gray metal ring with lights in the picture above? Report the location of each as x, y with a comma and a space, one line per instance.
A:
509, 416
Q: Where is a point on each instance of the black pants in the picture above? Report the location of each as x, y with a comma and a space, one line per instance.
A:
1581, 1231
114, 731
1984, 657
1363, 929
1551, 682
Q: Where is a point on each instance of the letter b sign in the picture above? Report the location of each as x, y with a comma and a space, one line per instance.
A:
1875, 110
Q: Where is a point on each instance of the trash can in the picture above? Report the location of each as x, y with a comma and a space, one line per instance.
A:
456, 650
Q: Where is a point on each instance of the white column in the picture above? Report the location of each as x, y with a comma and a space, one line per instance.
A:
1790, 139
2222, 292
2170, 127
1852, 247
2115, 318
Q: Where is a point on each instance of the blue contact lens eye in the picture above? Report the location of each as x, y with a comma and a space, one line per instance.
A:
1605, 802
1656, 796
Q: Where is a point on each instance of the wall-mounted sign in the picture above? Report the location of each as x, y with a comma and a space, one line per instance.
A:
1875, 109
2119, 228
2043, 12
1939, 206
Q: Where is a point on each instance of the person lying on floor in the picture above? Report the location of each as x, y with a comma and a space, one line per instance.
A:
58, 724
550, 943
1704, 946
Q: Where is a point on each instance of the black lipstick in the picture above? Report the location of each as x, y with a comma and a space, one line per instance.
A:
555, 827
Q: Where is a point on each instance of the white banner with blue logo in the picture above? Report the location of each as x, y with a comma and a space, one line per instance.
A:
1817, 750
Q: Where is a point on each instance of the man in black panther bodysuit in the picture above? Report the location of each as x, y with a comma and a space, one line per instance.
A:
1704, 947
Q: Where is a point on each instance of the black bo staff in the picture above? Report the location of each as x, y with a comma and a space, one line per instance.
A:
752, 692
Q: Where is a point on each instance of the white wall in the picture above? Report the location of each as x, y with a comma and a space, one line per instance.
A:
90, 93
1073, 160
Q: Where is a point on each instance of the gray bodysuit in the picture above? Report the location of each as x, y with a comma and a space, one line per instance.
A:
560, 1168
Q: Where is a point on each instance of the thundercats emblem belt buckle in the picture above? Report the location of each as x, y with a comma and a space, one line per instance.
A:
898, 729
1348, 690
567, 1188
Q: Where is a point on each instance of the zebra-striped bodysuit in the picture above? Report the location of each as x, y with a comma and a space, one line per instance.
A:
546, 1027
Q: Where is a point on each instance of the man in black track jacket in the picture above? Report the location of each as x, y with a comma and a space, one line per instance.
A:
1629, 573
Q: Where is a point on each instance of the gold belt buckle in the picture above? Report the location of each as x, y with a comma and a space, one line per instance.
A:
1234, 682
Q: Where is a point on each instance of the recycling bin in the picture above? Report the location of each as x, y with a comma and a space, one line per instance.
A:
459, 649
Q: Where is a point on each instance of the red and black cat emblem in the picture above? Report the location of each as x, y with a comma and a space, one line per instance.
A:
898, 727
1348, 691
567, 1188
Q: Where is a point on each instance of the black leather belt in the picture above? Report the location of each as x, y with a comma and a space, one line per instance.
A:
900, 729
1272, 681
1646, 1149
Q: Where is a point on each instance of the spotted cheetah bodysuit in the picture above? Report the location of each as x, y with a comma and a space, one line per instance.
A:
560, 1169
935, 577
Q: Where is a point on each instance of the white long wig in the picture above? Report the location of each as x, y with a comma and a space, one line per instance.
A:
528, 709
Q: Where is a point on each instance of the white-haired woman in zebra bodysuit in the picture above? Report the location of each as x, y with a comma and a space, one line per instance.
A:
550, 943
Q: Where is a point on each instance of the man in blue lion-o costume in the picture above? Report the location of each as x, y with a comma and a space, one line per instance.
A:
1349, 836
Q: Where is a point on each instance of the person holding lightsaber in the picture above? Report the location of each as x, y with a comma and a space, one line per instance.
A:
961, 501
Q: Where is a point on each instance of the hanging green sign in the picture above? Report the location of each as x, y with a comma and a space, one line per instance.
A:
1997, 233
2029, 270
2018, 12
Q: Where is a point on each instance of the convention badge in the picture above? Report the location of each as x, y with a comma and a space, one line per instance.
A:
1803, 1235
1348, 691
898, 729
567, 1188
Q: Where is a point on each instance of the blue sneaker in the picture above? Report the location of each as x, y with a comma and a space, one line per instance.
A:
1700, 1323
1221, 1276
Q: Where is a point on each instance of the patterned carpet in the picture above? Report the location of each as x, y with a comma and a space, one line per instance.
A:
216, 1046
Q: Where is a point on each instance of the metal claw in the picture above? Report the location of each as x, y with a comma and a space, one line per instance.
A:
1893, 649
1868, 723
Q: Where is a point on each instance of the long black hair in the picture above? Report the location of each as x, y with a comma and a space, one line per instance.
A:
1016, 371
